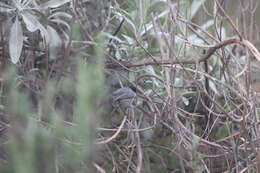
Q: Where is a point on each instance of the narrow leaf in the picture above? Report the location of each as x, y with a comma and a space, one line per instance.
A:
55, 42
60, 14
54, 3
4, 8
16, 41
63, 22
32, 23
195, 6
44, 34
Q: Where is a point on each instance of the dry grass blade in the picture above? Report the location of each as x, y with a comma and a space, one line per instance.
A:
115, 134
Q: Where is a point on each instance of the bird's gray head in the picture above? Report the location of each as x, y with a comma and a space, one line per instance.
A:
124, 97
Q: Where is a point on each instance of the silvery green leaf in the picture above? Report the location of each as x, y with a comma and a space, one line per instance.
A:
60, 14
16, 41
27, 2
207, 24
31, 22
110, 36
213, 87
4, 8
5, 5
129, 21
54, 3
44, 33
59, 21
54, 36
18, 4
129, 40
178, 81
55, 42
160, 34
118, 55
196, 4
150, 25
146, 134
150, 70
195, 39
222, 32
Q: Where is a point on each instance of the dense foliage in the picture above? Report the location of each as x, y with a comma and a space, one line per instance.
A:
129, 86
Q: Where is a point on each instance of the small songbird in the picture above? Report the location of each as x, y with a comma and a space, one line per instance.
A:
124, 97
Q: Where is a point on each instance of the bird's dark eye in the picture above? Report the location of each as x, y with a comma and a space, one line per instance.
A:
133, 88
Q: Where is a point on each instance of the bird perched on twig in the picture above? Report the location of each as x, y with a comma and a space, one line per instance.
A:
124, 97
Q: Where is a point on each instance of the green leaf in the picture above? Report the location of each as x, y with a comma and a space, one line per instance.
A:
16, 41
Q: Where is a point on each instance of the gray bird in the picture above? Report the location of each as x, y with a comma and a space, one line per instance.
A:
124, 97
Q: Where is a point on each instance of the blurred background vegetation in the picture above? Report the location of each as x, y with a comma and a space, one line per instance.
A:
193, 63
